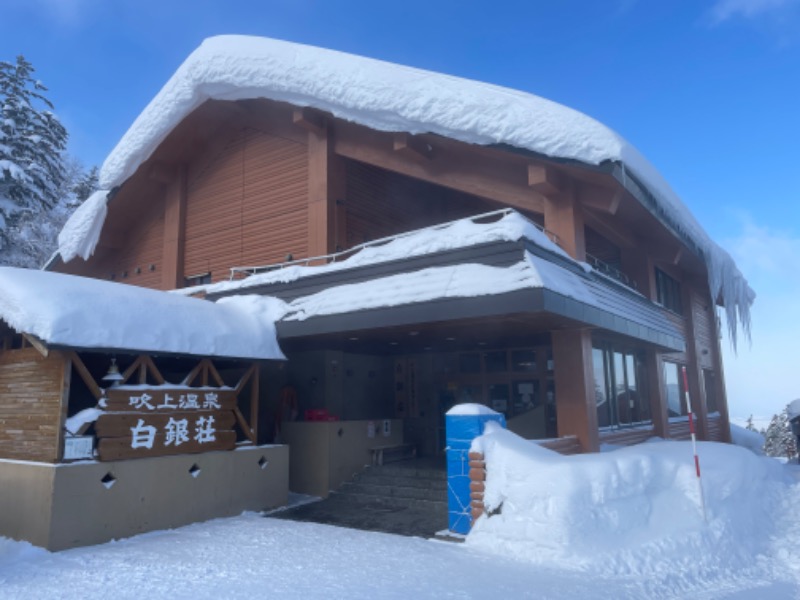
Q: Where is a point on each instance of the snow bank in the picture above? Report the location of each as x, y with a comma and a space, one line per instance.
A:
626, 512
752, 440
78, 312
390, 97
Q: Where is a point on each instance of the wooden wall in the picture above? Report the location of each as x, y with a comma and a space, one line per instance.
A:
30, 404
248, 207
381, 203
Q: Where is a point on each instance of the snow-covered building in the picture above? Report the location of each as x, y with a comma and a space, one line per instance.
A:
425, 240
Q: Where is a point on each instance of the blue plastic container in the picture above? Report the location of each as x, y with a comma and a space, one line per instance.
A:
463, 422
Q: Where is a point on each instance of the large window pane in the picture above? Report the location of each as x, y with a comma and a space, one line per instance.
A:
672, 381
499, 397
525, 395
523, 361
496, 362
623, 403
469, 363
600, 389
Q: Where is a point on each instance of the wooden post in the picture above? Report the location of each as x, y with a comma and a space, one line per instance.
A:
694, 368
254, 391
66, 380
576, 409
563, 216
326, 186
658, 399
722, 396
174, 231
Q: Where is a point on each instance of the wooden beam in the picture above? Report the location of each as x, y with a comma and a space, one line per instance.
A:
545, 180
154, 372
245, 377
468, 169
174, 231
254, 397
87, 378
162, 172
243, 424
66, 380
36, 343
563, 216
132, 369
309, 119
189, 379
215, 374
614, 231
601, 199
412, 147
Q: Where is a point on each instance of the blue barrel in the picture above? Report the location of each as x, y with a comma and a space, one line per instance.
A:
464, 422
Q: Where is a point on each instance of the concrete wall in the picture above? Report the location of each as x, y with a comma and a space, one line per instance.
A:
326, 454
67, 505
26, 497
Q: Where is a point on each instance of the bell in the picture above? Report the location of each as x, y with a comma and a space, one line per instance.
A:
113, 375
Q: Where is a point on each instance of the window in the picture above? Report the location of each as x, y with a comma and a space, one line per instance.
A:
193, 280
673, 383
710, 383
619, 387
668, 292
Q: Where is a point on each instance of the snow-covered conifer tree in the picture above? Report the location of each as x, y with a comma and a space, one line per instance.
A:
780, 441
31, 144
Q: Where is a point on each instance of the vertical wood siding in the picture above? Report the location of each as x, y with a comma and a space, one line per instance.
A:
30, 404
702, 313
380, 203
248, 207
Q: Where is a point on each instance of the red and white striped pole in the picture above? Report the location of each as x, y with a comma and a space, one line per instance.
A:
694, 442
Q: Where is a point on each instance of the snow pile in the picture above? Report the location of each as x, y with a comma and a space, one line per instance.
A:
471, 409
81, 418
78, 312
510, 227
390, 97
752, 440
632, 511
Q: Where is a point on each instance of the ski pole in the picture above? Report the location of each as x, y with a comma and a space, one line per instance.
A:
694, 442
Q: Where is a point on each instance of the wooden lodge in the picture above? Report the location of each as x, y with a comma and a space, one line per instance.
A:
262, 195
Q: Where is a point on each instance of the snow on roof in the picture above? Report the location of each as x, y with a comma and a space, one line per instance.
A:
77, 312
390, 97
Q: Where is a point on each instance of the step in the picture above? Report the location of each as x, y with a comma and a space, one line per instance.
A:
391, 501
386, 479
398, 470
393, 491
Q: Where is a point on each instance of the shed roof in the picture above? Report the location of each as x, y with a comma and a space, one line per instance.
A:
78, 312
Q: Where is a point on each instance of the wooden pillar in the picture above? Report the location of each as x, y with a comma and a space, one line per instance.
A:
694, 370
576, 410
326, 182
722, 395
66, 381
658, 398
172, 274
563, 216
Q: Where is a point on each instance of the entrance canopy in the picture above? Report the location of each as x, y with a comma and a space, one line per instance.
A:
76, 312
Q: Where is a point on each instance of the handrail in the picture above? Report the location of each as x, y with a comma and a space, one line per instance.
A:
333, 257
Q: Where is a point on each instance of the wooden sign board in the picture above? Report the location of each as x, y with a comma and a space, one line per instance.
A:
136, 435
168, 400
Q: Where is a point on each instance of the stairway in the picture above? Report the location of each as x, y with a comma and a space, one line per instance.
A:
407, 498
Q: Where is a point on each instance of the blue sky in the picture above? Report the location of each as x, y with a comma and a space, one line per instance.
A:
706, 89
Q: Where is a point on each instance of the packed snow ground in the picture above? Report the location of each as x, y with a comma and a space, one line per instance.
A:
621, 524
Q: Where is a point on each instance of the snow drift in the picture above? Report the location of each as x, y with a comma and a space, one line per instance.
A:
390, 97
622, 512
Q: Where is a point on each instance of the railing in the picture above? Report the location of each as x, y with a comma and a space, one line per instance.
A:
239, 272
606, 269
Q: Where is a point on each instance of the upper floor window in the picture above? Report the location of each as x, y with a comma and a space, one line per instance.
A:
668, 292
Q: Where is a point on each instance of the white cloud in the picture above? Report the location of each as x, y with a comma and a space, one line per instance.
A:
724, 10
